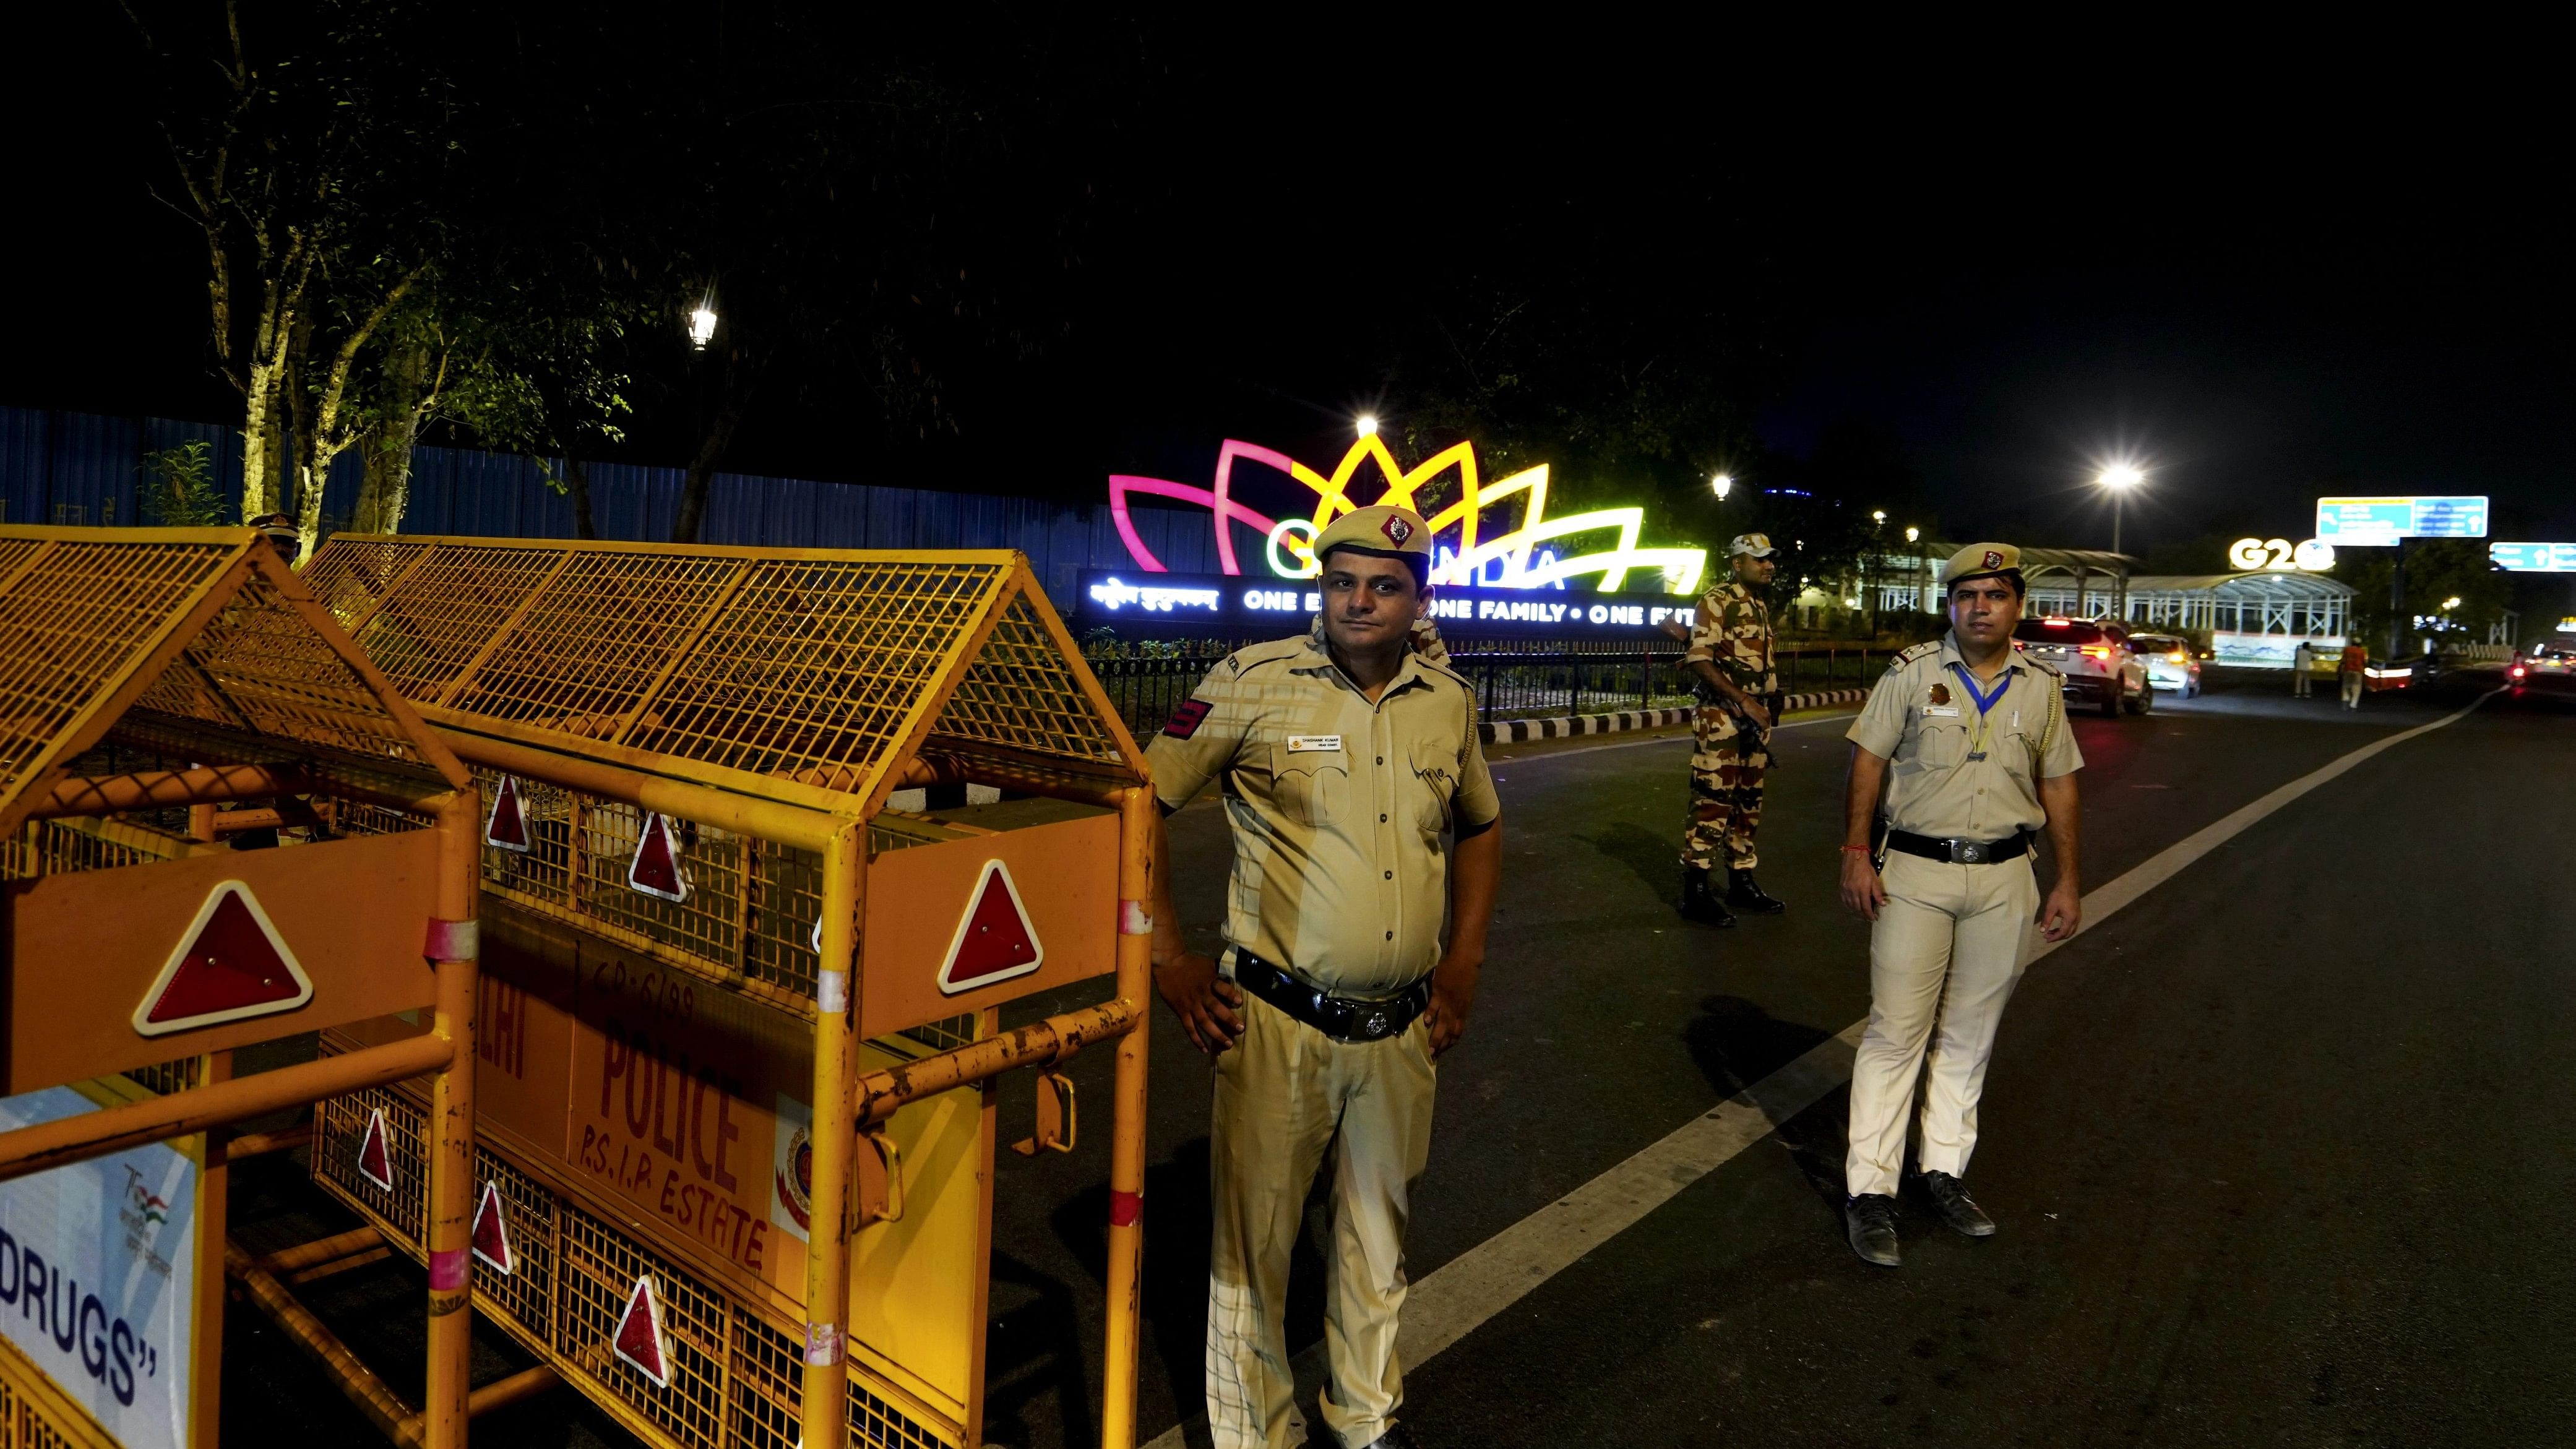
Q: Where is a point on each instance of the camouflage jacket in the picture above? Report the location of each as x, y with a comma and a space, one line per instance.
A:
1734, 633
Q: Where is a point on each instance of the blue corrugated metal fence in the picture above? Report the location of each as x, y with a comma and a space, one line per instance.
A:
68, 467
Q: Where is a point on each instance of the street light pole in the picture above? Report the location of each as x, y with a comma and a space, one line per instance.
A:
2119, 478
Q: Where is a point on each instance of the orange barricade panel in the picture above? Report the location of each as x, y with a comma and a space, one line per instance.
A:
932, 908
87, 950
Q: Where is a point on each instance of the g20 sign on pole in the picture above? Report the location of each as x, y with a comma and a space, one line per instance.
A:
2533, 558
2381, 522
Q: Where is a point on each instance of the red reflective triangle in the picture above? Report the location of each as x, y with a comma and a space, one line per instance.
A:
508, 827
656, 868
994, 940
375, 1158
492, 1231
639, 1335
229, 964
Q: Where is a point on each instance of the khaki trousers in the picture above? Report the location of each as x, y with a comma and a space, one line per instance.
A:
2352, 688
1948, 948
1285, 1095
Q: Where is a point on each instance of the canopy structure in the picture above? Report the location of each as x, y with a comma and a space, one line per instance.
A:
185, 634
805, 677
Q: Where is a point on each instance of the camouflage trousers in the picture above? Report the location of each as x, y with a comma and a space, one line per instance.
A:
1727, 760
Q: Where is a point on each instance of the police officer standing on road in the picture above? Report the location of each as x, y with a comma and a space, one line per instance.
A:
1970, 739
1344, 757
1729, 664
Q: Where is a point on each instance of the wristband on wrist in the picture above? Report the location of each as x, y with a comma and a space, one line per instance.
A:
1856, 849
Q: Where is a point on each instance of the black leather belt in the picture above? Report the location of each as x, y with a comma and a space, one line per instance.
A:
1959, 852
1343, 1018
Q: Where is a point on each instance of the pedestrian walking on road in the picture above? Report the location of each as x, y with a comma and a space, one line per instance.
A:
1345, 757
1969, 738
1730, 668
2303, 670
2351, 672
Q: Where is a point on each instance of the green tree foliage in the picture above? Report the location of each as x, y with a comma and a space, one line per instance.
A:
2437, 570
179, 487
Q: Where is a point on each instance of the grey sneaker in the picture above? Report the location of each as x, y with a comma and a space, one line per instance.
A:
1950, 1199
1869, 1221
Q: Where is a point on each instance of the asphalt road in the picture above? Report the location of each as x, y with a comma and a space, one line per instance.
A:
2277, 1149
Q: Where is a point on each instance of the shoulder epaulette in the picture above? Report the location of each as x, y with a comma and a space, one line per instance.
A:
2043, 666
1253, 656
1914, 655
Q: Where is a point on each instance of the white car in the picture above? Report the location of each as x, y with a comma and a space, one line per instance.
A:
2170, 662
2094, 655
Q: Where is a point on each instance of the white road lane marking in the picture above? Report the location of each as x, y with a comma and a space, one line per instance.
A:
1490, 1277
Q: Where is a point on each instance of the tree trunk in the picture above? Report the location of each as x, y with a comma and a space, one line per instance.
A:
702, 470
577, 483
384, 485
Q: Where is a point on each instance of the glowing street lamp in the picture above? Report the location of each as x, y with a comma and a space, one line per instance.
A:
1878, 515
2450, 603
702, 324
1913, 535
1721, 485
2119, 478
1367, 425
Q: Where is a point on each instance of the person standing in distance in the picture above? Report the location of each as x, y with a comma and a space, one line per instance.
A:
2353, 670
1345, 757
1729, 665
2303, 669
1969, 738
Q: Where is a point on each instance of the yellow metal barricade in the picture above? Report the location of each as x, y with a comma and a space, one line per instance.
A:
167, 695
739, 1017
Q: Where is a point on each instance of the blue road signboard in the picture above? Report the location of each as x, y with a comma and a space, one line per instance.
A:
2369, 522
2533, 558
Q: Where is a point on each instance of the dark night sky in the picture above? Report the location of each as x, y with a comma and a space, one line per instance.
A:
2300, 264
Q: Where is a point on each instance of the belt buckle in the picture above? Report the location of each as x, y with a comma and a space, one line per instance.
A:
1968, 852
1374, 1025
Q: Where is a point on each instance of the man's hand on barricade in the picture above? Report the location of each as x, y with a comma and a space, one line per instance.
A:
1863, 892
1453, 995
1205, 1002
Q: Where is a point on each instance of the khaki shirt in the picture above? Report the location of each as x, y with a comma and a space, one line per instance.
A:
1733, 632
1337, 805
1922, 717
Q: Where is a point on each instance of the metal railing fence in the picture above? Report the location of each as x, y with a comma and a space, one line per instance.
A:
1514, 679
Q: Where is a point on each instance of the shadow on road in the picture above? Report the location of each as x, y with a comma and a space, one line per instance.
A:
1735, 1044
1655, 858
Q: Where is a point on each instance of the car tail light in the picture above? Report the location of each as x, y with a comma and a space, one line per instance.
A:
2096, 651
2179, 658
2517, 671
2054, 623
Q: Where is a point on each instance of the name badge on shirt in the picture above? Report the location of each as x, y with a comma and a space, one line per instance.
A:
1945, 711
1314, 744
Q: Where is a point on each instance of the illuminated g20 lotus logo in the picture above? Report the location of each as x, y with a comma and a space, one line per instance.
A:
2280, 556
1469, 545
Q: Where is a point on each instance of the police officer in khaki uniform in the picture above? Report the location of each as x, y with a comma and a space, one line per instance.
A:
1345, 758
1969, 739
1729, 662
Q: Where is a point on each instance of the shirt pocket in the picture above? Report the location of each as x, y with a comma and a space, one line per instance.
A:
1940, 743
1431, 788
1312, 787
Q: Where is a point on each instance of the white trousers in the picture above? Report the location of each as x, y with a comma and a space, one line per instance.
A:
1948, 948
1285, 1093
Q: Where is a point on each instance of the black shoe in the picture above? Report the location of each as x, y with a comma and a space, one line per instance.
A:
1869, 1221
1699, 899
1744, 895
1950, 1199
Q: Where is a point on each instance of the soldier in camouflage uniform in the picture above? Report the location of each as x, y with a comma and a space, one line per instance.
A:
1730, 668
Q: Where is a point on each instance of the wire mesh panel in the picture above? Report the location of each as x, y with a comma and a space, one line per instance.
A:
446, 611
340, 1131
799, 666
595, 640
816, 665
352, 581
75, 617
259, 666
